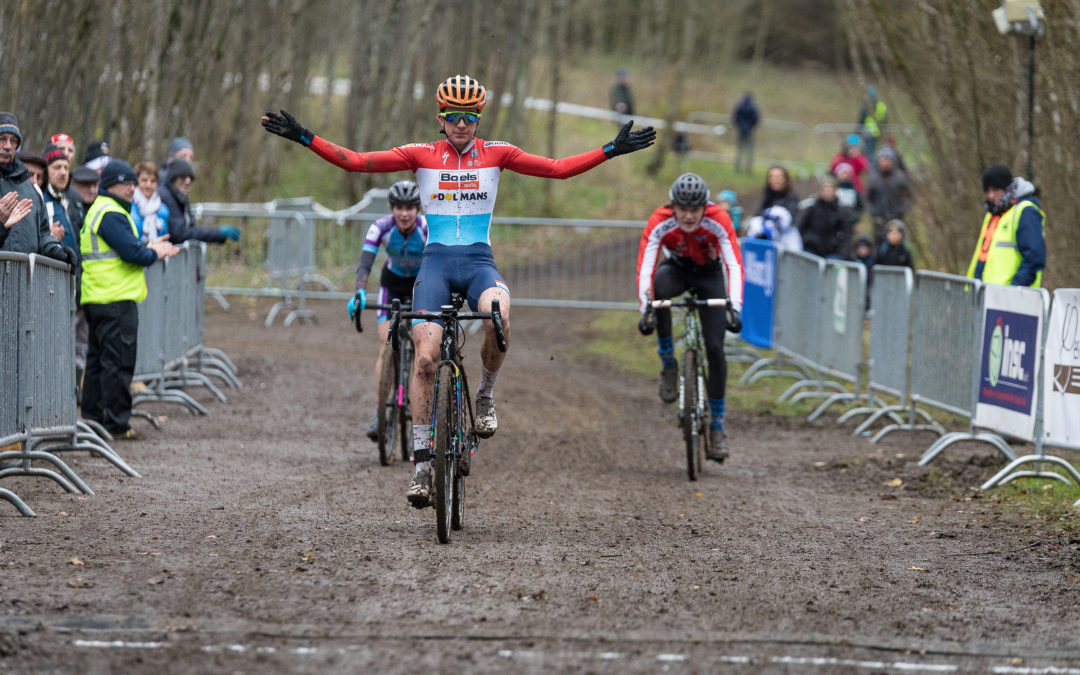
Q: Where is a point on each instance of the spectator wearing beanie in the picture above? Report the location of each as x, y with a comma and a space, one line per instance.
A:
57, 202
32, 233
112, 285
181, 148
97, 155
888, 193
1012, 245
174, 194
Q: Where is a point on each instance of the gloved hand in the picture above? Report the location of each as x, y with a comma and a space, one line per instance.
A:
64, 254
286, 126
626, 141
646, 325
734, 320
358, 301
231, 232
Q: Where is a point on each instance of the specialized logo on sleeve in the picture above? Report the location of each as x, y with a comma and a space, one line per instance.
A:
1008, 365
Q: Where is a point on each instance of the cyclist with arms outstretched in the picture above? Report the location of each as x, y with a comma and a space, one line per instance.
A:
459, 179
690, 244
404, 233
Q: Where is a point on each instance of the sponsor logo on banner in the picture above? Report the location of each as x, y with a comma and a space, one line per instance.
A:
1007, 374
1067, 377
760, 269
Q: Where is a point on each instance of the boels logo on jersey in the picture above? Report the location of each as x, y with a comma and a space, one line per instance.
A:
1007, 377
458, 182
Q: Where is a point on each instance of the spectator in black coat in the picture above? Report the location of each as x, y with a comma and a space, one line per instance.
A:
778, 191
823, 225
174, 194
622, 101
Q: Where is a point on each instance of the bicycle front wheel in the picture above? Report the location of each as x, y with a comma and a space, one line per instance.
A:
386, 423
446, 433
692, 415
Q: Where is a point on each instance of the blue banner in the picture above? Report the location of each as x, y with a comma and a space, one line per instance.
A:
1007, 372
759, 290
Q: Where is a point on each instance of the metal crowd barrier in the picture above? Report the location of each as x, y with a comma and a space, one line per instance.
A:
842, 331
38, 411
890, 343
945, 345
290, 245
170, 353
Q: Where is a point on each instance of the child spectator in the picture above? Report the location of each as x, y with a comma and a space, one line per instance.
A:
864, 252
849, 199
893, 251
851, 153
150, 215
730, 203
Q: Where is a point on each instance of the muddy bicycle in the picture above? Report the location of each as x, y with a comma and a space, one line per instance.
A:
393, 424
693, 396
452, 416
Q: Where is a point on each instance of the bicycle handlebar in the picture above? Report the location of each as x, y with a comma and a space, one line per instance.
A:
375, 306
692, 302
449, 313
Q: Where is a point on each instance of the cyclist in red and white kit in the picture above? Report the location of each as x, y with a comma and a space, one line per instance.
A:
690, 244
459, 179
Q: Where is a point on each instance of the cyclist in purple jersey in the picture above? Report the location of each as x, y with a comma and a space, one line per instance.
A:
404, 233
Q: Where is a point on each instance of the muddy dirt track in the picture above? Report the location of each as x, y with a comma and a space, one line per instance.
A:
266, 538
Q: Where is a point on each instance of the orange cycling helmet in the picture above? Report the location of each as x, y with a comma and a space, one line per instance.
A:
461, 91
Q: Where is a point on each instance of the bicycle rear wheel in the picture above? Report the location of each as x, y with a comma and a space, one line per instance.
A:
386, 423
446, 429
405, 409
693, 415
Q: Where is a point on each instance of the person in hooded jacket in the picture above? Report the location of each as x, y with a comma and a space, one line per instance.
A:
824, 224
1012, 244
174, 194
894, 251
33, 233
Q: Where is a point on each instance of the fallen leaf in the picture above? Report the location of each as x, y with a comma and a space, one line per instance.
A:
76, 561
697, 588
895, 482
820, 464
310, 557
61, 513
919, 569
75, 583
915, 520
155, 581
210, 536
698, 494
593, 598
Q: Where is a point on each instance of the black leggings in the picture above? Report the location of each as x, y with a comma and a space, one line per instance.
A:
671, 281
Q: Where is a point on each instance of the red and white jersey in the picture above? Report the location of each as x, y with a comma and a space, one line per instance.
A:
713, 241
457, 189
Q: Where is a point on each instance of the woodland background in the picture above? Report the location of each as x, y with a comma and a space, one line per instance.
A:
140, 73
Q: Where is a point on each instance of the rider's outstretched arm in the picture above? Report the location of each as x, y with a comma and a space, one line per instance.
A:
384, 161
519, 161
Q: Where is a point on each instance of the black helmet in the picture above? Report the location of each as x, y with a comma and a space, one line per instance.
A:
404, 193
689, 189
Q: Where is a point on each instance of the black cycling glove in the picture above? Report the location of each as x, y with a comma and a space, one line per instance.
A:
626, 141
734, 320
286, 126
646, 325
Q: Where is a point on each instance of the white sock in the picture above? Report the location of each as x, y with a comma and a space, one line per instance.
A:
487, 381
421, 435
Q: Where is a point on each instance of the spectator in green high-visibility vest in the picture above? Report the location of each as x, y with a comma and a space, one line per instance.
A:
871, 119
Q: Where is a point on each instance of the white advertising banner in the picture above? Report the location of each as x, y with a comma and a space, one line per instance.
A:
1012, 330
1061, 381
